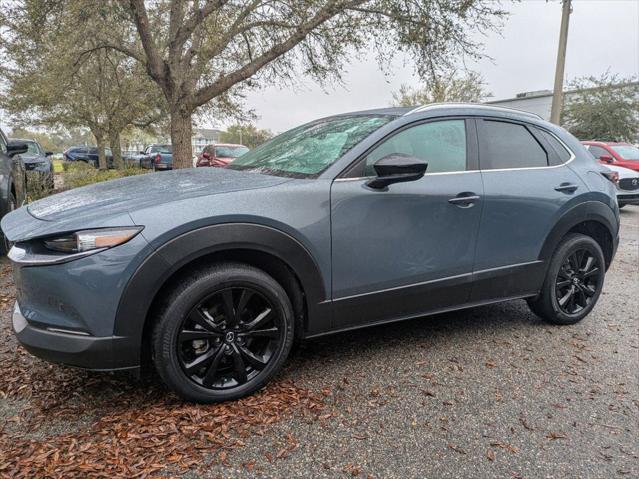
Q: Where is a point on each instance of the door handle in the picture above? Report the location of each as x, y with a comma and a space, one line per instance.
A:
464, 200
566, 187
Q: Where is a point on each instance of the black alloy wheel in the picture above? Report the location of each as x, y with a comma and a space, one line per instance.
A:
574, 281
222, 332
577, 281
229, 337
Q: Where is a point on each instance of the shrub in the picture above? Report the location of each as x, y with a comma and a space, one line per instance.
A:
39, 185
80, 174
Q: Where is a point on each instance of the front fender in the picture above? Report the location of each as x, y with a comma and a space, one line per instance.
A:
158, 267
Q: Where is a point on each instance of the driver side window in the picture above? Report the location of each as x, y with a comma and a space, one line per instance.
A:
442, 144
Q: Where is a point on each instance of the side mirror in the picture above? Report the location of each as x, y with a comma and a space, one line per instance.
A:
397, 168
142, 153
16, 148
606, 158
48, 153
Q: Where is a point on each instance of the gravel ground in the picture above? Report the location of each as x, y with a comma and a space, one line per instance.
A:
487, 392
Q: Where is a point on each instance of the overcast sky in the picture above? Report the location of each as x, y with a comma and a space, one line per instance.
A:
603, 34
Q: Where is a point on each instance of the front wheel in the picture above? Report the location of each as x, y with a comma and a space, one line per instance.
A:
223, 333
5, 244
573, 283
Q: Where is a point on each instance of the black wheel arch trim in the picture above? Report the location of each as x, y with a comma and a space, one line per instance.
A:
143, 286
586, 211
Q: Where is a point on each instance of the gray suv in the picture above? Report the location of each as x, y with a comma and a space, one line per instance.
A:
363, 218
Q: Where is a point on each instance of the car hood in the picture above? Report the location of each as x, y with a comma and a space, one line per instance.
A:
26, 157
141, 191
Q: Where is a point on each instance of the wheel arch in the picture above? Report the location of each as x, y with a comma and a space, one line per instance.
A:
269, 249
592, 218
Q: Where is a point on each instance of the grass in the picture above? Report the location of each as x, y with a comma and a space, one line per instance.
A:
58, 166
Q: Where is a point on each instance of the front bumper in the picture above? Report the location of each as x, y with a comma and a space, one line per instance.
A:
628, 199
71, 347
66, 312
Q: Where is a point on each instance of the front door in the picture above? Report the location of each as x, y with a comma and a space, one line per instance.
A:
408, 249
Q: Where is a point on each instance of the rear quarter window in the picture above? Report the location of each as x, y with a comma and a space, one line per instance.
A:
505, 145
561, 154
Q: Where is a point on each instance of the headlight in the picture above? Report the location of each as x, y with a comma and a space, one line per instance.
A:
88, 240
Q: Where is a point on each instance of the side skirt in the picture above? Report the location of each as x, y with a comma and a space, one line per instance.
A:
419, 315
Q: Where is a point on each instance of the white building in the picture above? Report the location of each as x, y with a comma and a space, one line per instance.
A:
204, 136
537, 102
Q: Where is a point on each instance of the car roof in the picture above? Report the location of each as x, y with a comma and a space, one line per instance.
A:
447, 108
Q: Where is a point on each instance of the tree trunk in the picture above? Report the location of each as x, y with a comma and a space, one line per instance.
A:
102, 161
116, 149
181, 132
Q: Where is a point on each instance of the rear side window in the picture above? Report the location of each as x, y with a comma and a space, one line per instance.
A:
509, 145
562, 155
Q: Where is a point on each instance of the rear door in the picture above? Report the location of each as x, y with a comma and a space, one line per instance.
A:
527, 186
408, 249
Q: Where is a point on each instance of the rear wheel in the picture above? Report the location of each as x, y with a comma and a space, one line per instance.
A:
223, 333
573, 282
5, 244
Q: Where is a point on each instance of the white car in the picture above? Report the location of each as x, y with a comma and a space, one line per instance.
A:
627, 187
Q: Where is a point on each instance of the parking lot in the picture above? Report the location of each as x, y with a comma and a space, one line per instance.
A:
486, 392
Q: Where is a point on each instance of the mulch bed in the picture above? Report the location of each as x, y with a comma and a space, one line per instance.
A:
72, 423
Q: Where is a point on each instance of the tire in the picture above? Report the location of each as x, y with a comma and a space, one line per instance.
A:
217, 321
5, 244
577, 266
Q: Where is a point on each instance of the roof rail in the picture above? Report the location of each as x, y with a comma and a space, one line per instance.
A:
434, 106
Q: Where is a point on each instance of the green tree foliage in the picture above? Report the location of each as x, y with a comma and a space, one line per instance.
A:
468, 87
205, 53
603, 108
247, 135
58, 75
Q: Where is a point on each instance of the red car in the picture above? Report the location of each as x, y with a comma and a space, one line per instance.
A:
220, 154
618, 154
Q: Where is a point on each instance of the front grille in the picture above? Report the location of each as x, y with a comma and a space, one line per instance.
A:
629, 184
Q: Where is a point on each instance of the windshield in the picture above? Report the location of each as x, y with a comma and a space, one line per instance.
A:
309, 149
230, 151
627, 152
33, 148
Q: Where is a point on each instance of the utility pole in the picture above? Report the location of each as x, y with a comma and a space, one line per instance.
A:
558, 92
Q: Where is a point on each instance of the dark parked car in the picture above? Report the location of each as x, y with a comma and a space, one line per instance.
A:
348, 221
220, 154
12, 181
88, 154
36, 160
157, 157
